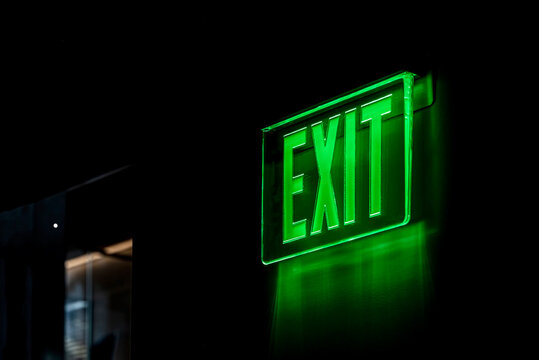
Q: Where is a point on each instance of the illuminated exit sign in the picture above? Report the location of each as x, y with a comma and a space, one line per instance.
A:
339, 171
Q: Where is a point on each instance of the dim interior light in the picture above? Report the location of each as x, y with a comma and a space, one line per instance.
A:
119, 247
82, 260
90, 257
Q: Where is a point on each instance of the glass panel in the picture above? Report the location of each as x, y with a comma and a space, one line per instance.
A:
98, 303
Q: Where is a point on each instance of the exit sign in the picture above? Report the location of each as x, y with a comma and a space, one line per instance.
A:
339, 171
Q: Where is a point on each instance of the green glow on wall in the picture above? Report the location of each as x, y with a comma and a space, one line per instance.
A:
342, 169
358, 296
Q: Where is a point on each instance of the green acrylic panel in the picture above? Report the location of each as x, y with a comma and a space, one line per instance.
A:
339, 171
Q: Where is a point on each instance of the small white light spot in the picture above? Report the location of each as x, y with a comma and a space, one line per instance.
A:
55, 225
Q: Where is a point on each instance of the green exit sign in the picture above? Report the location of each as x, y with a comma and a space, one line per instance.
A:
339, 171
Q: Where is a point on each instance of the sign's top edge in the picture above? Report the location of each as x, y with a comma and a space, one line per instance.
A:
325, 105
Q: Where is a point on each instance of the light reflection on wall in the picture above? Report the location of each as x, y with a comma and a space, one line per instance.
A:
361, 295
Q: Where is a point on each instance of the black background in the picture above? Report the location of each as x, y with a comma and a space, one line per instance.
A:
184, 99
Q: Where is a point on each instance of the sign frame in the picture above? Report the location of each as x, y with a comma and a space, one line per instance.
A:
407, 79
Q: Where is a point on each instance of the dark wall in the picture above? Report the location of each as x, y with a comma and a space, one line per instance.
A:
375, 295
209, 213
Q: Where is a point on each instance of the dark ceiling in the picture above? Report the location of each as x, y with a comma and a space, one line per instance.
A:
84, 99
